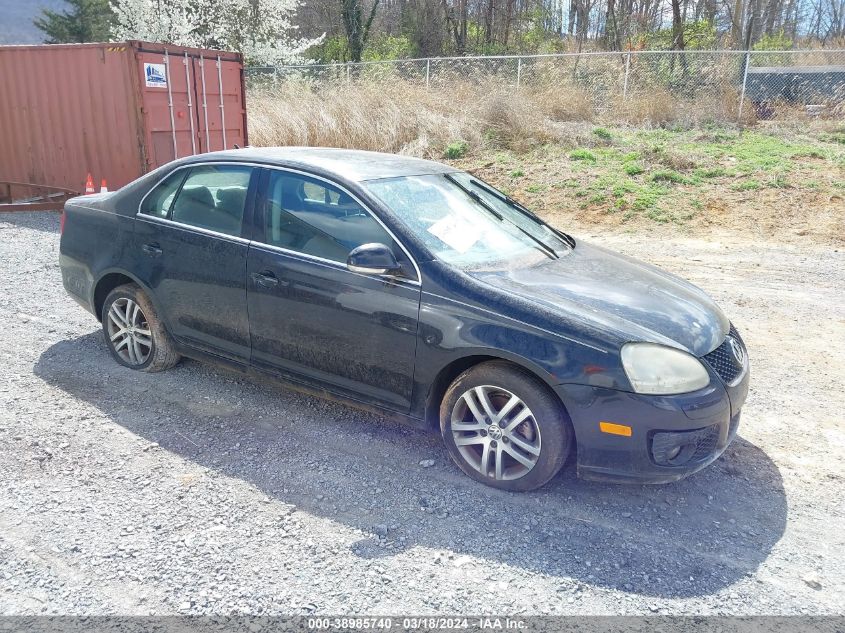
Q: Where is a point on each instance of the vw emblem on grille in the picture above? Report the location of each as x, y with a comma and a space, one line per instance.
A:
736, 349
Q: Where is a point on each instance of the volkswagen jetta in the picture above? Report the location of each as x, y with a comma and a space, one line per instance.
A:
415, 288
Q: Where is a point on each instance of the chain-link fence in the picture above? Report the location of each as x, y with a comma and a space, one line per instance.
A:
730, 84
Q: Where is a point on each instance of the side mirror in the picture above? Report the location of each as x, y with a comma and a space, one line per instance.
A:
372, 259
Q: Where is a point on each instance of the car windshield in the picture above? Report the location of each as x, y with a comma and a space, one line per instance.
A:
467, 223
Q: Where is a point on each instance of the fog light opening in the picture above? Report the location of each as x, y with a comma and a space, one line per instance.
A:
678, 455
673, 453
679, 448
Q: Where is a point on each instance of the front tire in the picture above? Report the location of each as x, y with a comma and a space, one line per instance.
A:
135, 335
505, 428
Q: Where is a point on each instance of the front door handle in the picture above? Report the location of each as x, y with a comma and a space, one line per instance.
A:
266, 279
153, 250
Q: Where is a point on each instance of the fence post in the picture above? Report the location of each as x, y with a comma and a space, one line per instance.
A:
428, 73
627, 70
744, 82
518, 71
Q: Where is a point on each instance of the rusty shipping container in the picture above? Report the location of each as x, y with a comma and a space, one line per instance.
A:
114, 110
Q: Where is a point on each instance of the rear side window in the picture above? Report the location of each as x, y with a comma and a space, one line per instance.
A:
160, 199
213, 197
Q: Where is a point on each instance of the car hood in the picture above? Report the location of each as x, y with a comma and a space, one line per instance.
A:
633, 300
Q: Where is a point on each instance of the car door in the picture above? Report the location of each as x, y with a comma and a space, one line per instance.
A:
309, 315
193, 258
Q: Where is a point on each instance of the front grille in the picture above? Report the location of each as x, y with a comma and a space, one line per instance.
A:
723, 361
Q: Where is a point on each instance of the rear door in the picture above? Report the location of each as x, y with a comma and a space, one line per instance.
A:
193, 257
309, 315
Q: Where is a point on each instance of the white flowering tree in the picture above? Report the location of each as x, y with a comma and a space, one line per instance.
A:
262, 30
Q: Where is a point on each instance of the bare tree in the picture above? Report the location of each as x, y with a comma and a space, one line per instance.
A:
357, 30
677, 26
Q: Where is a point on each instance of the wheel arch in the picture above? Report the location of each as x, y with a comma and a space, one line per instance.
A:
111, 279
449, 372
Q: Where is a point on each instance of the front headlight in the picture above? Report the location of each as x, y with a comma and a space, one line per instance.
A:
657, 369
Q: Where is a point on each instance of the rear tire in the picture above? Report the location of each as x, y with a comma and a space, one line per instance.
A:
505, 428
135, 335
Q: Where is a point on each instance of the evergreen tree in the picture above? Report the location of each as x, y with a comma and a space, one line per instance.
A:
84, 21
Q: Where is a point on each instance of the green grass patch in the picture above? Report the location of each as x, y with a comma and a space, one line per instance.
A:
778, 181
648, 198
633, 169
669, 175
456, 149
833, 137
583, 154
658, 215
535, 188
755, 152
517, 173
603, 133
746, 185
620, 190
711, 172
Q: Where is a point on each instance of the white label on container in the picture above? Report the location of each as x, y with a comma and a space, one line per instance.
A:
156, 75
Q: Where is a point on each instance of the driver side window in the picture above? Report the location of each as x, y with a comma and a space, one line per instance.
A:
313, 217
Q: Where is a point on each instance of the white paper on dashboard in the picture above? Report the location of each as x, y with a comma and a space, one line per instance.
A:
455, 233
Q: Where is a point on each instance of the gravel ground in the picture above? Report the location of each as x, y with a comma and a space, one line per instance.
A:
202, 491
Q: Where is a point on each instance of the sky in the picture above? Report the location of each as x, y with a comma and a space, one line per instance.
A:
16, 22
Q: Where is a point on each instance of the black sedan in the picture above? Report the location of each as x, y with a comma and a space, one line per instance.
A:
414, 288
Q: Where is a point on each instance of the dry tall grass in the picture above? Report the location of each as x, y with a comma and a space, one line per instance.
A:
406, 117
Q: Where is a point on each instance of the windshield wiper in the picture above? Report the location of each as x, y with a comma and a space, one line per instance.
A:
507, 199
548, 250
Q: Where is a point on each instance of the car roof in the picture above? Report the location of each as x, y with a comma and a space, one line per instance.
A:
354, 165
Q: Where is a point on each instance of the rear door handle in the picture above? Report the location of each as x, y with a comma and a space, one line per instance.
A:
152, 250
266, 279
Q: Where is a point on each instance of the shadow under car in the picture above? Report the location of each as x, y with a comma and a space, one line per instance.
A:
688, 538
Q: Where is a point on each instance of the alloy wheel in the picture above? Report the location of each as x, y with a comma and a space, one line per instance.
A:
129, 333
495, 432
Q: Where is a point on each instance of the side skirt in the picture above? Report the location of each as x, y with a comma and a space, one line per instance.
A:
294, 383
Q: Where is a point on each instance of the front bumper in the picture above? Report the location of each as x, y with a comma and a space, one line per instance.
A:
706, 420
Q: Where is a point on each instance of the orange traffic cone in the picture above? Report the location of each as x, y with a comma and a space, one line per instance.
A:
89, 184
103, 187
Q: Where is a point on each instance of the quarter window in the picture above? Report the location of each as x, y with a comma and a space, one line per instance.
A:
159, 200
310, 216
